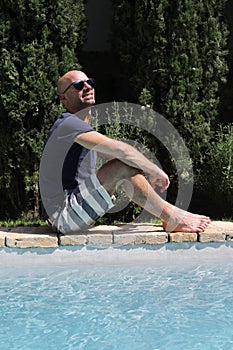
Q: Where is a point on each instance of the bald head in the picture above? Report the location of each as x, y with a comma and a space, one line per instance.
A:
68, 78
72, 98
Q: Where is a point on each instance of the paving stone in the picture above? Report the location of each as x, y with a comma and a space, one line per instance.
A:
205, 237
102, 234
139, 234
99, 238
139, 228
22, 240
178, 237
2, 239
213, 233
226, 227
96, 235
140, 238
103, 229
73, 240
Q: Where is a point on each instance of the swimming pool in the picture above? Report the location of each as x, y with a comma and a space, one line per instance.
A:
135, 298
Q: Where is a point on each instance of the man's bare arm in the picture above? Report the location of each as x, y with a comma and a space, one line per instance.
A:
126, 153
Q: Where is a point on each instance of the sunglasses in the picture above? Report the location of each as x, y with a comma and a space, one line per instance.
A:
79, 84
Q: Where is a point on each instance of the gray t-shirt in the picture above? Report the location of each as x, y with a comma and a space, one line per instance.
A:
64, 163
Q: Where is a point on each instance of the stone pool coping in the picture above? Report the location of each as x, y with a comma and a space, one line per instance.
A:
122, 234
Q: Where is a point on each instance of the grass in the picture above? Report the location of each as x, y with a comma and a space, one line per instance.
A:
22, 222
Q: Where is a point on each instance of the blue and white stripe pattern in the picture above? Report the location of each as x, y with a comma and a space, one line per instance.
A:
82, 207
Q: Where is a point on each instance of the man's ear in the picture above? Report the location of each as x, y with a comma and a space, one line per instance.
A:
62, 98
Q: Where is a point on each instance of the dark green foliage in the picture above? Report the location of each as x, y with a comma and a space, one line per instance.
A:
38, 42
175, 56
177, 51
217, 183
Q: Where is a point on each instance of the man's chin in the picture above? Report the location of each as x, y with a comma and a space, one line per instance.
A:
90, 102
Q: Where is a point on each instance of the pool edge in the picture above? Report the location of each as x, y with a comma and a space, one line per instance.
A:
122, 234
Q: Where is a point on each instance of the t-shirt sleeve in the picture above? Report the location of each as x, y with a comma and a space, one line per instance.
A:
72, 127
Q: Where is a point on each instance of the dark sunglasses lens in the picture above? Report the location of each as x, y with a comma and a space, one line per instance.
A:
79, 85
91, 82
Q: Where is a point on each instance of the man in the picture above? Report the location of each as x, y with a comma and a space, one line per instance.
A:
73, 194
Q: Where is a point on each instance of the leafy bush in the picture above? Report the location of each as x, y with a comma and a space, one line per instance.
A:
39, 39
174, 56
218, 180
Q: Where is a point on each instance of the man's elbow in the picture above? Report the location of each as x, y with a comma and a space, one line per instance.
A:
124, 151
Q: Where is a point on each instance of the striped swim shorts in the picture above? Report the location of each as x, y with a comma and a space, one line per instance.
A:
82, 207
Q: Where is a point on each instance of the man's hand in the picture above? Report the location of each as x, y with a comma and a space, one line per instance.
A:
159, 179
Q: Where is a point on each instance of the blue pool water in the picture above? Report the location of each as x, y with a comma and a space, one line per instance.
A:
134, 305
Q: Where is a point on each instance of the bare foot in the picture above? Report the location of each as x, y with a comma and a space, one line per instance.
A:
183, 221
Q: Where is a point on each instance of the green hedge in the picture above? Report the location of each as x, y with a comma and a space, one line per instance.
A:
39, 42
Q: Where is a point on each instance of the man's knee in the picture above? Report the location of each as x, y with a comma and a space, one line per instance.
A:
113, 172
121, 168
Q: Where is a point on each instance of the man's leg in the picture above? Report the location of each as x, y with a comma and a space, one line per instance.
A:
115, 173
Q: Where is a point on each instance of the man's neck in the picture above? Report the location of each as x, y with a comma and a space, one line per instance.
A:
84, 114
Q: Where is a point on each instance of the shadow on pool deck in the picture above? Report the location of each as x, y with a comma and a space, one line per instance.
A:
123, 234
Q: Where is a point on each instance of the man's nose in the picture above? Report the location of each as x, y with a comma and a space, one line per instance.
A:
86, 85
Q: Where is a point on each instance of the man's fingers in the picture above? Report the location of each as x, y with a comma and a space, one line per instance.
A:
164, 184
